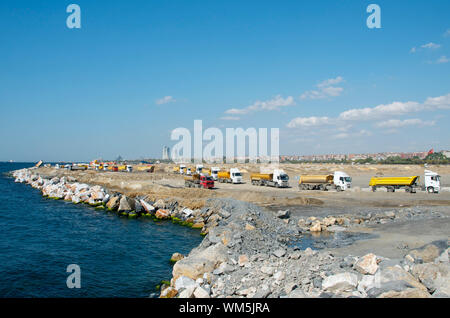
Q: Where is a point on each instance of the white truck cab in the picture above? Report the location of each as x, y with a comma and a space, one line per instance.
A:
198, 169
432, 182
182, 168
214, 172
342, 181
235, 175
280, 178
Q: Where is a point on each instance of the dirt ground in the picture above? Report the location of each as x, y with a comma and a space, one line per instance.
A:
163, 183
387, 238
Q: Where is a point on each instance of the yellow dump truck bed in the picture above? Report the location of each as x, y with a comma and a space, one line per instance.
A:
145, 168
223, 175
388, 181
192, 177
325, 178
261, 176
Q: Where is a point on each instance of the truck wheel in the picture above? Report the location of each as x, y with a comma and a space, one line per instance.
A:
338, 189
374, 189
408, 189
430, 190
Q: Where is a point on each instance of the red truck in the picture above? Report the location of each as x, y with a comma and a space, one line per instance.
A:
198, 181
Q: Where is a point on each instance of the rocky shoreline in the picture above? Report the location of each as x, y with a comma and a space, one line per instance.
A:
251, 252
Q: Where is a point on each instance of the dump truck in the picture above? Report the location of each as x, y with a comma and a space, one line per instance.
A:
278, 179
432, 182
144, 168
127, 168
198, 181
231, 176
198, 169
392, 183
212, 172
179, 169
78, 167
339, 181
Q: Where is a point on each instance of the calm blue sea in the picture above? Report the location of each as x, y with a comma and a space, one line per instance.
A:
118, 257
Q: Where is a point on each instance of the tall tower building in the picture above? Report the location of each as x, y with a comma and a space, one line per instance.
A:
165, 153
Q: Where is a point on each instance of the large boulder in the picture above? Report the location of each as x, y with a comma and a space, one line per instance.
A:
160, 204
428, 253
201, 293
329, 221
198, 263
315, 227
162, 214
126, 204
283, 214
367, 264
183, 282
433, 276
148, 208
340, 282
176, 257
396, 273
113, 203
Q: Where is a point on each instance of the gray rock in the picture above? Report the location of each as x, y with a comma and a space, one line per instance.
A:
187, 292
283, 214
295, 255
297, 293
184, 282
317, 282
126, 204
433, 276
340, 282
279, 252
201, 293
225, 214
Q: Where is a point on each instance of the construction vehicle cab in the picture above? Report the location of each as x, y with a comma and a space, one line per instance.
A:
432, 182
342, 181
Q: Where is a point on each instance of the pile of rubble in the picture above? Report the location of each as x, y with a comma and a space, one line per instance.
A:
246, 255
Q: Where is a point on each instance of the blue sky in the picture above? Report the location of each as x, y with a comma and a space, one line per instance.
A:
138, 69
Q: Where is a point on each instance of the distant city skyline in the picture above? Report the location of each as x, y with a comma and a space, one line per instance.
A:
137, 69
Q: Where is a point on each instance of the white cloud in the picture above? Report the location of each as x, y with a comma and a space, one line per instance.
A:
345, 135
325, 89
394, 123
413, 50
341, 127
380, 111
443, 59
331, 81
441, 102
230, 118
447, 33
431, 45
302, 122
165, 100
396, 109
272, 104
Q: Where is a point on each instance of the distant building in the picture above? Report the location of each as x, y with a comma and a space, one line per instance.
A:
165, 153
446, 153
